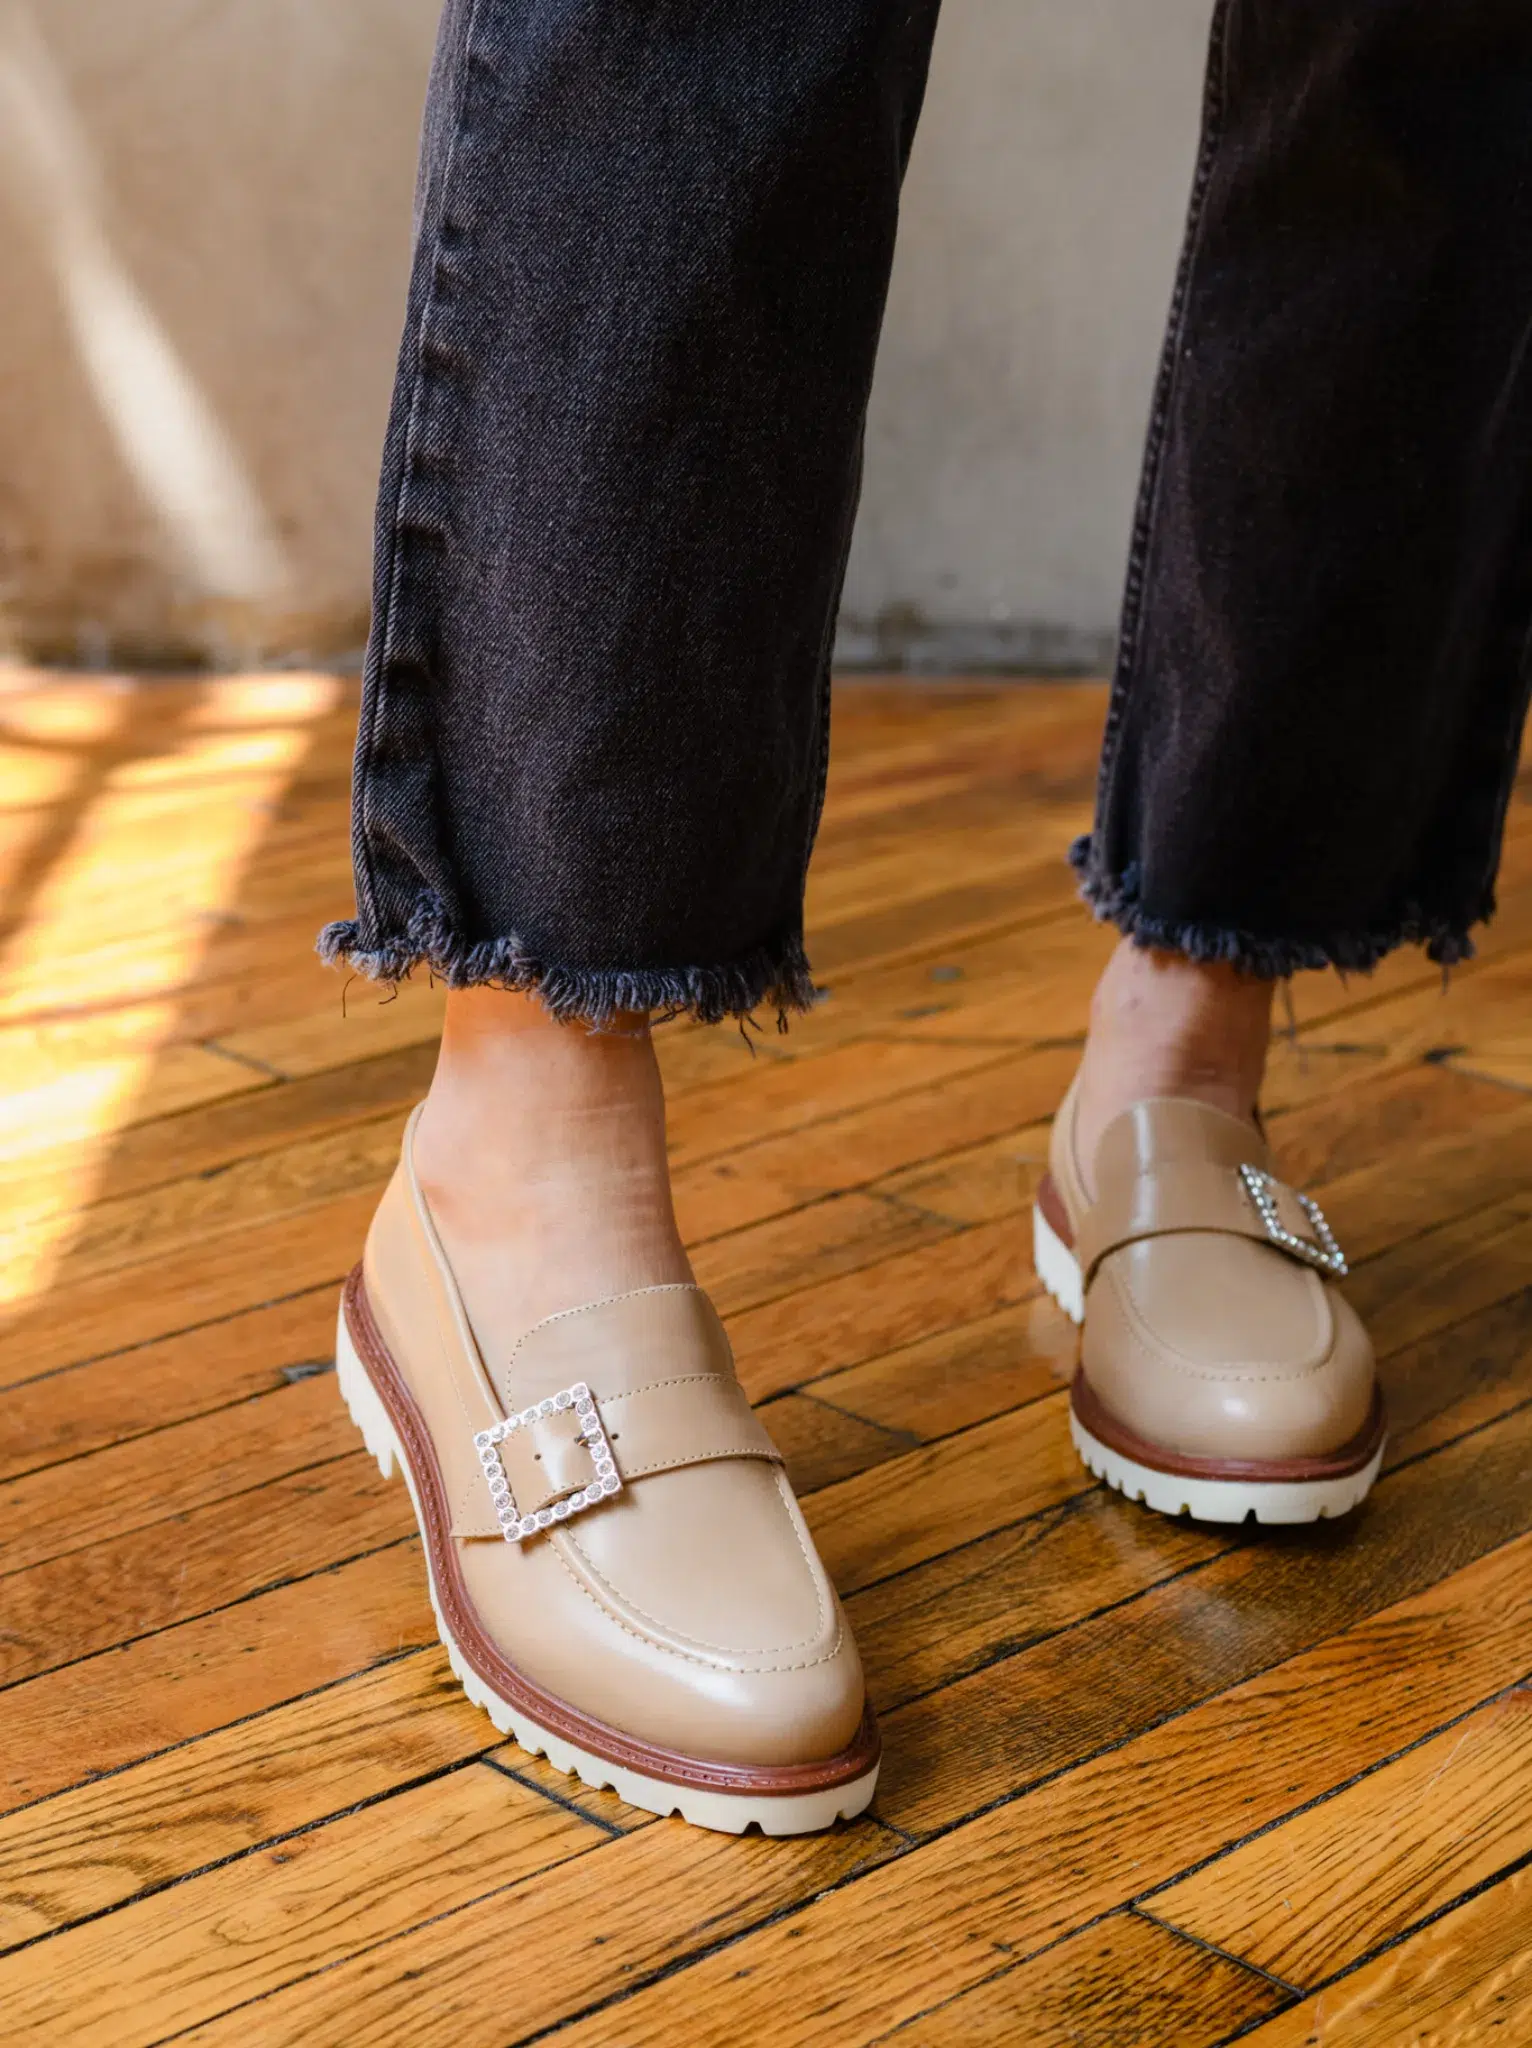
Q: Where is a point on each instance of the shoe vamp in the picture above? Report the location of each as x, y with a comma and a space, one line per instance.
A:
1223, 1303
712, 1559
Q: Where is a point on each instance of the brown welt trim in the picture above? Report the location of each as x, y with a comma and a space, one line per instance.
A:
1339, 1464
517, 1690
1051, 1202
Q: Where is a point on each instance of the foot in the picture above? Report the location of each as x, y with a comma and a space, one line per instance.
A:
1222, 1373
1164, 1025
541, 1155
620, 1573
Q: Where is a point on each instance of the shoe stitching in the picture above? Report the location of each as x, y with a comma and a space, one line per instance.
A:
723, 1649
720, 1650
684, 1379
728, 1658
606, 1301
1161, 1351
772, 1457
469, 1496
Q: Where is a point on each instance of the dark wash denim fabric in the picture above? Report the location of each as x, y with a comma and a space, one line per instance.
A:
1323, 665
653, 245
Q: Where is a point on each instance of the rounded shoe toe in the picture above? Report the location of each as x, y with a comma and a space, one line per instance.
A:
1219, 1347
691, 1613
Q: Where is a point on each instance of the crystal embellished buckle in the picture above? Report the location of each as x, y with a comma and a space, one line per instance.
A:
517, 1527
1326, 1255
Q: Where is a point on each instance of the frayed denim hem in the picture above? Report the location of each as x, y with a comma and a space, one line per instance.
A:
775, 979
1115, 900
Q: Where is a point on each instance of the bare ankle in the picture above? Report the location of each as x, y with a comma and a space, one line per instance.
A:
541, 1155
1165, 1025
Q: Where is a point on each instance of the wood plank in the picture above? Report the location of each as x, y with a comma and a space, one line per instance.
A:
1459, 1378
125, 1055
945, 1494
975, 1606
979, 1739
1504, 1060
255, 1115
989, 1100
1411, 1290
961, 1375
929, 1926
1311, 1898
106, 1842
352, 1021
58, 1134
897, 1301
1124, 1981
119, 1588
143, 1230
225, 1666
980, 1183
972, 1606
1349, 1128
163, 1963
605, 1808
220, 1277
991, 835
72, 1413
841, 1234
713, 1122
823, 1444
1471, 1170
1033, 900
172, 1472
1464, 1980
598, 1927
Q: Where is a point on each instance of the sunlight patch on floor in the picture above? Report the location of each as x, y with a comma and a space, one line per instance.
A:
159, 850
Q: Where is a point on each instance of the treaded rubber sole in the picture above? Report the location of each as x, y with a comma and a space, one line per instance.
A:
1270, 1501
730, 1813
1057, 1267
1224, 1500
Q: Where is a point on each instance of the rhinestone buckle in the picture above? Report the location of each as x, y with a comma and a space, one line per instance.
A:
1326, 1255
517, 1527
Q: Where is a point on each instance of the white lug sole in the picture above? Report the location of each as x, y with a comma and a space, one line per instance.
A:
1171, 1493
1057, 1266
727, 1813
1224, 1500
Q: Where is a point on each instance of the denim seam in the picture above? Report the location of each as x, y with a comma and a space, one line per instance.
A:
1165, 384
1521, 701
826, 657
368, 734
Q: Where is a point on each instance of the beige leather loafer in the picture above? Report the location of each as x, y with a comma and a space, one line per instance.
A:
621, 1575
1222, 1374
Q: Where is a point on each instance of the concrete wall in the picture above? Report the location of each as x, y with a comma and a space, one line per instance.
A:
204, 210
1038, 246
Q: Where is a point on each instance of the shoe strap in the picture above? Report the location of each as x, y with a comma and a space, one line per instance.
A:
660, 1377
1202, 1195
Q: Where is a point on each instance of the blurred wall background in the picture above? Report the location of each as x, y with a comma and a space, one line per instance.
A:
204, 217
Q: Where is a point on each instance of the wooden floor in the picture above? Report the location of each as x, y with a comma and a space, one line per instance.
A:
1147, 1785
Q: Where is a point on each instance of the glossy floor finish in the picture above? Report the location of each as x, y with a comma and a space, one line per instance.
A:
1148, 1785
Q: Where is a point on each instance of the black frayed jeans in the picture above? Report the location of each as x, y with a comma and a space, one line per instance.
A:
653, 244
